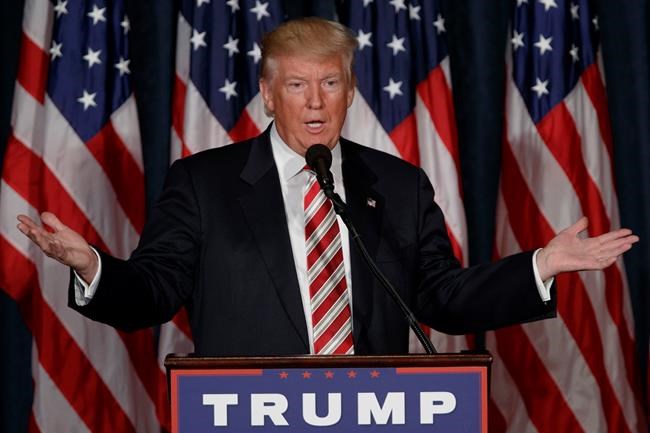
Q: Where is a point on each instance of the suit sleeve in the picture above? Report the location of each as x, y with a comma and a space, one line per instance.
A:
152, 285
455, 300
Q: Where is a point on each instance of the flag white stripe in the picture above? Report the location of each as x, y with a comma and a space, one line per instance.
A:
37, 23
183, 50
128, 130
255, 109
202, 130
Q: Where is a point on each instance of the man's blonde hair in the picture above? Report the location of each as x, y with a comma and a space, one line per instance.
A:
308, 37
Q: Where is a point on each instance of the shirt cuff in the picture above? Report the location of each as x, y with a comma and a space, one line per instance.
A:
543, 287
83, 292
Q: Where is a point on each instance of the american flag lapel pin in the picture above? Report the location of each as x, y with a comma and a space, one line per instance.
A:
371, 202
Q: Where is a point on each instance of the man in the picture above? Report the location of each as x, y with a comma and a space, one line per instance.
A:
242, 236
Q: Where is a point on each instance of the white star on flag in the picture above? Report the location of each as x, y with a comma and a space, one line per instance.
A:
88, 100
97, 14
574, 11
228, 89
595, 21
573, 52
540, 87
123, 66
367, 2
548, 4
234, 5
61, 8
92, 57
393, 88
414, 12
398, 4
439, 24
260, 10
200, 2
397, 45
520, 2
364, 39
198, 39
125, 24
55, 50
255, 53
231, 46
517, 39
544, 44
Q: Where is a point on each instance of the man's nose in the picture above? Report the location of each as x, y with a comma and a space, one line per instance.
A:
314, 96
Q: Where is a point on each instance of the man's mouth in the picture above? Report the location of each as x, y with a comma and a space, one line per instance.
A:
314, 124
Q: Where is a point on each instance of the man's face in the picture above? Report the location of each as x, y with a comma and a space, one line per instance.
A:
308, 98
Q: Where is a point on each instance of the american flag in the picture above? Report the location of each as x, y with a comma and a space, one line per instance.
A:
74, 149
576, 373
403, 104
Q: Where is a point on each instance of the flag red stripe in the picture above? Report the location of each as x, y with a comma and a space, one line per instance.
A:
572, 301
178, 111
595, 88
123, 172
244, 129
496, 421
405, 138
32, 427
455, 245
58, 353
182, 321
32, 68
22, 171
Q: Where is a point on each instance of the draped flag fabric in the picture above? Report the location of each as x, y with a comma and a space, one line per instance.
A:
74, 149
216, 98
403, 104
575, 373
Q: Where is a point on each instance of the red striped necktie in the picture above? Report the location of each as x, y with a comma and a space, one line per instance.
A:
328, 289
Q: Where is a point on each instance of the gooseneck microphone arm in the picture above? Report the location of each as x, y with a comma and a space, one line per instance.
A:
320, 161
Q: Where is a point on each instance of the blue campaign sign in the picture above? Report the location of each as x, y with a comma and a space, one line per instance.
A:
342, 400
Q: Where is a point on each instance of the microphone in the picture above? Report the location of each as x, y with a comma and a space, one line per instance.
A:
319, 159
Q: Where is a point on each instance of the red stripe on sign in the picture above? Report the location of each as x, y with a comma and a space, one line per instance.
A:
593, 84
58, 353
26, 173
573, 303
436, 95
405, 137
244, 129
538, 390
32, 68
122, 171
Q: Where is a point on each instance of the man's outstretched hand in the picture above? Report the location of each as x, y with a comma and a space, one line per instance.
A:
61, 243
568, 251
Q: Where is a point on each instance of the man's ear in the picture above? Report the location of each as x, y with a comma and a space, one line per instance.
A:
267, 98
350, 95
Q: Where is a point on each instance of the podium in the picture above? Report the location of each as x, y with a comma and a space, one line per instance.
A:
342, 394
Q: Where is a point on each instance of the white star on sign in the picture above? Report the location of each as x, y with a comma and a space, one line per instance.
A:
61, 8
367, 2
517, 39
548, 4
397, 44
198, 39
393, 88
97, 14
540, 87
260, 10
125, 24
88, 100
398, 4
574, 11
573, 52
255, 53
364, 39
544, 44
92, 57
200, 2
234, 5
414, 12
123, 66
231, 46
55, 50
228, 89
439, 24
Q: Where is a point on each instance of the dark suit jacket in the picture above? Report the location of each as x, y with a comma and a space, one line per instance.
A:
217, 241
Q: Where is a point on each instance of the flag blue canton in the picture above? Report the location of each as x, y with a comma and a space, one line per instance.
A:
551, 46
399, 45
225, 51
89, 62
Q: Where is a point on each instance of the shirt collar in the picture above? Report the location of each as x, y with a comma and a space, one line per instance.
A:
290, 163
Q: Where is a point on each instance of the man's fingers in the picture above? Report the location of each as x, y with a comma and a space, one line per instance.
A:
616, 234
51, 220
578, 226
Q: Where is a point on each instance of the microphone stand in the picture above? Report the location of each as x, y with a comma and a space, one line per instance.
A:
340, 209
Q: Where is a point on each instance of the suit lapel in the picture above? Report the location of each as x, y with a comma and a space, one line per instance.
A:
263, 207
365, 206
